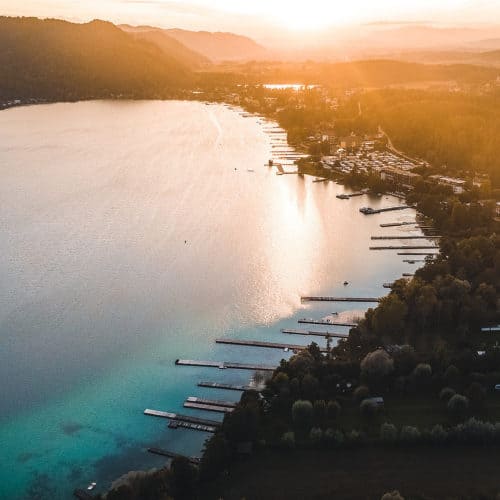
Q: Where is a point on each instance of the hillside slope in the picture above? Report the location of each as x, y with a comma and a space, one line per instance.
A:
55, 59
220, 47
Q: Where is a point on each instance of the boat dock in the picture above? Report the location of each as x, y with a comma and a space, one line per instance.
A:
410, 261
352, 195
224, 365
320, 322
371, 211
257, 343
227, 387
180, 424
396, 224
417, 253
182, 418
215, 402
391, 247
171, 454
205, 407
315, 334
417, 237
339, 299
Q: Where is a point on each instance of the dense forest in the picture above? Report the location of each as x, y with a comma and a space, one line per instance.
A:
54, 59
460, 131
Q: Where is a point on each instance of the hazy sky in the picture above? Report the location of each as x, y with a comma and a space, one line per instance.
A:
257, 16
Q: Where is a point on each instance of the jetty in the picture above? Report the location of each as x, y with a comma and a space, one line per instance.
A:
257, 343
171, 454
339, 299
215, 402
179, 424
392, 247
417, 253
411, 261
395, 224
227, 387
371, 211
224, 365
416, 237
322, 322
214, 408
352, 195
182, 418
315, 334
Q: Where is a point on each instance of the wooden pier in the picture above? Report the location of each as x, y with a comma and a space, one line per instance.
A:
392, 247
339, 299
396, 224
257, 343
171, 454
181, 418
227, 387
214, 408
325, 335
416, 237
215, 402
371, 211
180, 424
346, 196
411, 261
321, 322
418, 253
224, 365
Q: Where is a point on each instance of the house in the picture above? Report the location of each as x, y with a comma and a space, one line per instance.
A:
350, 142
457, 185
397, 175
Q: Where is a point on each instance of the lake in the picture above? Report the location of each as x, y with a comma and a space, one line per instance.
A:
136, 233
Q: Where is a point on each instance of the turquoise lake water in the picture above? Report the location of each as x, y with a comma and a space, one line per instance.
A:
133, 234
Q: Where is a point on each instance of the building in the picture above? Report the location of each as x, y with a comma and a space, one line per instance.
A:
457, 185
350, 142
397, 175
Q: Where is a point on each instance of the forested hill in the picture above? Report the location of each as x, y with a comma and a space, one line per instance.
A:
53, 59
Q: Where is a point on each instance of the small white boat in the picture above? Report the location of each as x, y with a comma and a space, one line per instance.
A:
91, 486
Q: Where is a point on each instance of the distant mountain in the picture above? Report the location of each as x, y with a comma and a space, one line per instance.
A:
55, 59
220, 47
168, 44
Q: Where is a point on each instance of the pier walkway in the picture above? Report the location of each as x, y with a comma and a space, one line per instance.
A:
223, 365
339, 299
315, 334
392, 247
257, 343
320, 322
171, 454
227, 387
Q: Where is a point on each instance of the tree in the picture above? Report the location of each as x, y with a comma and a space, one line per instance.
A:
302, 414
457, 406
422, 374
377, 364
183, 479
476, 394
446, 394
392, 495
388, 433
360, 393
333, 410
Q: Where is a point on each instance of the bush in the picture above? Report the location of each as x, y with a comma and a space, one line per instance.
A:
438, 435
457, 406
377, 364
368, 409
388, 433
409, 434
319, 410
333, 410
288, 440
334, 437
474, 432
446, 393
302, 414
361, 392
422, 373
452, 375
477, 394
392, 495
316, 435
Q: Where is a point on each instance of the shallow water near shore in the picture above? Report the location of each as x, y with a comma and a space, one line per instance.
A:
136, 233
